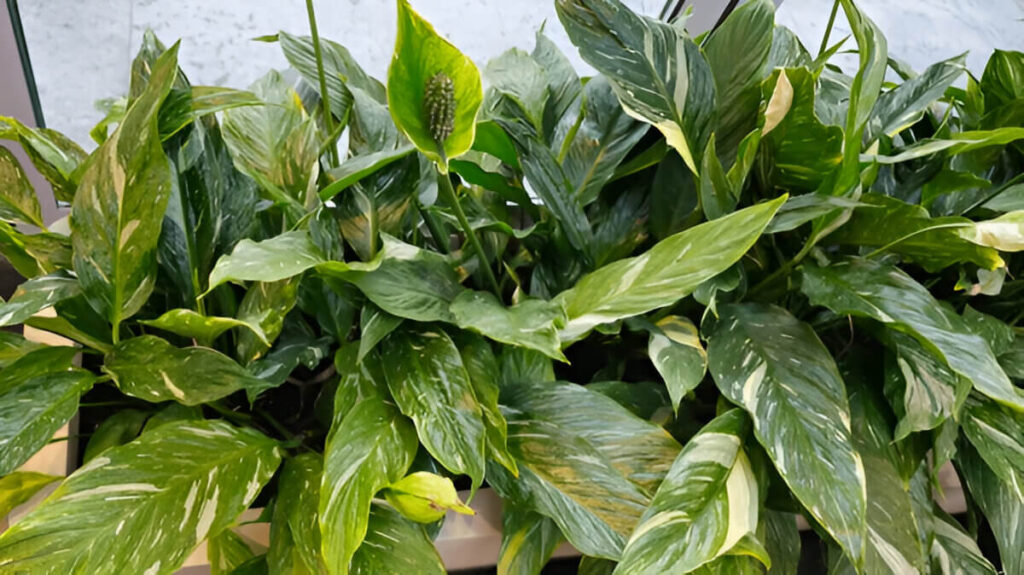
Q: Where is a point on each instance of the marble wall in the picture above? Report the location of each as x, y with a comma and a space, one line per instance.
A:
81, 49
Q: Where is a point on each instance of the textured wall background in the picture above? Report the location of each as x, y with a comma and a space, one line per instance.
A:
81, 49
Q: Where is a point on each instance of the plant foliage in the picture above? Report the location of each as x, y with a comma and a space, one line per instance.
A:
662, 311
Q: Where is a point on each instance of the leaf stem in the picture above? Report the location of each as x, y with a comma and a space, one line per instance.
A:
325, 100
828, 28
444, 184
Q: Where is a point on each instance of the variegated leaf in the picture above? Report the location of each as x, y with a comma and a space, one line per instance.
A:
667, 272
707, 503
295, 526
527, 541
884, 293
36, 295
659, 74
998, 434
143, 507
191, 324
678, 356
776, 368
431, 386
530, 323
1001, 503
395, 546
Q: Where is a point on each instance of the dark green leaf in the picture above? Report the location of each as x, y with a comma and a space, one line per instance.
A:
118, 429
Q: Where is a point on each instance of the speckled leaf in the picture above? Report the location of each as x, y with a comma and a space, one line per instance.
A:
36, 295
737, 52
143, 507
901, 107
892, 539
152, 369
527, 541
420, 54
484, 373
192, 324
374, 325
997, 433
678, 356
884, 293
922, 389
777, 369
404, 280
591, 469
53, 154
431, 386
277, 258
34, 254
369, 447
954, 552
295, 527
667, 272
38, 394
706, 504
120, 202
660, 75
17, 198
1001, 503
18, 487
530, 323
604, 137
395, 546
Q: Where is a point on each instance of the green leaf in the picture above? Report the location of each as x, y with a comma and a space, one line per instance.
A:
798, 210
420, 56
118, 429
518, 76
368, 448
922, 389
884, 293
374, 325
1001, 503
1000, 82
667, 272
191, 324
13, 347
527, 541
425, 497
277, 258
484, 373
902, 107
998, 334
954, 552
431, 386
529, 323
675, 349
295, 527
36, 295
892, 539
660, 76
54, 155
998, 436
18, 487
906, 229
34, 254
705, 505
404, 281
164, 492
226, 551
358, 167
395, 545
17, 198
340, 68
775, 367
867, 84
149, 368
737, 52
782, 540
564, 88
797, 150
276, 144
590, 469
958, 143
117, 211
38, 394
602, 140
266, 304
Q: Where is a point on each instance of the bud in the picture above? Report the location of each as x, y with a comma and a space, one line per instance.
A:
424, 497
439, 106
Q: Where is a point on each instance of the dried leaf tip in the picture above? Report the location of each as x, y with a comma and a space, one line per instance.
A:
439, 106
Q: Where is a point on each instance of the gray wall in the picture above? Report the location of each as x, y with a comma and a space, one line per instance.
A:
81, 49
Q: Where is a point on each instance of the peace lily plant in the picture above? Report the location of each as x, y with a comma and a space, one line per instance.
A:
661, 311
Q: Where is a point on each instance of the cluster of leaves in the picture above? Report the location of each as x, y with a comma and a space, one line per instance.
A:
496, 285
